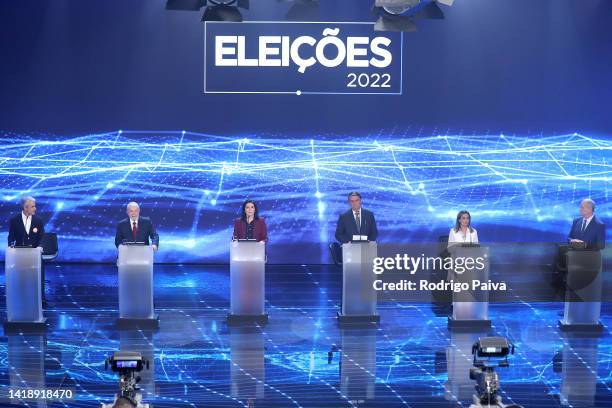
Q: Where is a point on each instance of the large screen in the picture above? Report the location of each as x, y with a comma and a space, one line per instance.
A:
192, 186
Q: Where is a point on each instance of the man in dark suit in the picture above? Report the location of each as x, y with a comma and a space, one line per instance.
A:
356, 221
588, 230
136, 228
27, 229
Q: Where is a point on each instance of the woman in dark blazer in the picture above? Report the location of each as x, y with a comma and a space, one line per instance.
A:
250, 225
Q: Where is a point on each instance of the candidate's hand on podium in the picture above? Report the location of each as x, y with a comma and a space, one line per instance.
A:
154, 247
576, 240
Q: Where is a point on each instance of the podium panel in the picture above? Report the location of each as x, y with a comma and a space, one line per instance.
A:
26, 366
135, 266
584, 285
470, 308
23, 289
579, 372
248, 368
359, 297
247, 278
358, 364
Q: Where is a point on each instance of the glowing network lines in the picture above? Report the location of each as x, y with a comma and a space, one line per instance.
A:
192, 184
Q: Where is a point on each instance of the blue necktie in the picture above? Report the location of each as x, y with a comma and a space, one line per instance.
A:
584, 223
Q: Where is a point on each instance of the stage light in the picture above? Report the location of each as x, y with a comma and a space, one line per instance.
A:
224, 10
400, 15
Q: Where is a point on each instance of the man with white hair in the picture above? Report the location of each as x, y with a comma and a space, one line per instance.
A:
136, 228
588, 230
27, 229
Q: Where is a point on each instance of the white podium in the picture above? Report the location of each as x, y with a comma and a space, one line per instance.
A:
247, 282
470, 308
135, 265
583, 291
23, 289
359, 297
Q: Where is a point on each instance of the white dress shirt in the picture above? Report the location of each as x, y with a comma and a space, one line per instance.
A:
355, 216
27, 222
458, 237
588, 220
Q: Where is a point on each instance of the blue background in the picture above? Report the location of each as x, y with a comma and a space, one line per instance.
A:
75, 73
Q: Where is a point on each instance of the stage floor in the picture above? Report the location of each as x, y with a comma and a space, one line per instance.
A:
301, 358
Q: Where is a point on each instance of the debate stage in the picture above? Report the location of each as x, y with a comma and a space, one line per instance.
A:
301, 358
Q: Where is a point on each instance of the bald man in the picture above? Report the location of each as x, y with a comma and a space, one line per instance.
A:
588, 230
136, 228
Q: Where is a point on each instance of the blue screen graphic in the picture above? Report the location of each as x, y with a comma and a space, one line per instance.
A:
192, 186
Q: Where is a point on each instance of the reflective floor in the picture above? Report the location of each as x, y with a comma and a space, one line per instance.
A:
301, 358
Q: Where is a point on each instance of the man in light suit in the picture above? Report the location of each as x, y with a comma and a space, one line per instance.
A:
136, 228
356, 221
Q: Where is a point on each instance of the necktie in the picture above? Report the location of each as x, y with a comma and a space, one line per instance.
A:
584, 221
134, 229
358, 221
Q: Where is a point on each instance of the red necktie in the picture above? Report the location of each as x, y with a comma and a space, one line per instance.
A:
134, 230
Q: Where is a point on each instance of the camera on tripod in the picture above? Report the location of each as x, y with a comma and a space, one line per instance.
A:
489, 353
128, 364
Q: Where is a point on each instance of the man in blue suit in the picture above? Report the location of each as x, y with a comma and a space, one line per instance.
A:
136, 228
588, 230
356, 221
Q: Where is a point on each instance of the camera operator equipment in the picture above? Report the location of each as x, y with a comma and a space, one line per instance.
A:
489, 353
127, 364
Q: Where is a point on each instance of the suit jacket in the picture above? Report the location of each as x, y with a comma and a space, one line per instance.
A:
594, 235
260, 231
347, 227
144, 231
17, 232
